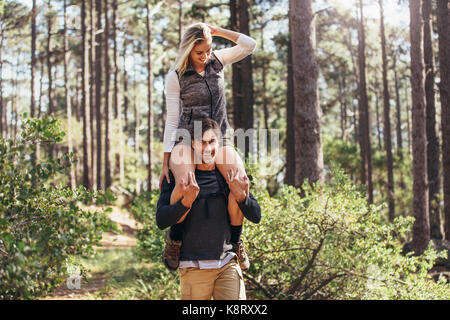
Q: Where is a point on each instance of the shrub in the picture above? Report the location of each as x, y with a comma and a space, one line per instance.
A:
327, 245
331, 245
150, 245
41, 225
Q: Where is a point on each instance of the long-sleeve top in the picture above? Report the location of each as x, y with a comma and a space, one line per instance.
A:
227, 56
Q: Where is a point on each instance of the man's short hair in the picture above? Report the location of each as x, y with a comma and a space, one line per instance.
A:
207, 124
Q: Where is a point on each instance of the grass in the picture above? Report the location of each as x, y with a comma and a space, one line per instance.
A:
128, 277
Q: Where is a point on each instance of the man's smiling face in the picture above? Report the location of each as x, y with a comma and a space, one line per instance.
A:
206, 148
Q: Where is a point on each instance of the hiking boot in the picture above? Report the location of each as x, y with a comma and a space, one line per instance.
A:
241, 253
171, 253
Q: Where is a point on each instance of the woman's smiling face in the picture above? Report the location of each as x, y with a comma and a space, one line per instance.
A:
200, 53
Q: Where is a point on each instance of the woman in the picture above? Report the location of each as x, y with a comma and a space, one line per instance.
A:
194, 90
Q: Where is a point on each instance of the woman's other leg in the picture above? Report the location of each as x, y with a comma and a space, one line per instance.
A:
228, 158
181, 163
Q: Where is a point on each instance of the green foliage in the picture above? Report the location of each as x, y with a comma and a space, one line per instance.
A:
346, 154
150, 247
41, 225
326, 245
330, 245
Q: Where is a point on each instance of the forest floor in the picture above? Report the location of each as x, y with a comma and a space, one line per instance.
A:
113, 263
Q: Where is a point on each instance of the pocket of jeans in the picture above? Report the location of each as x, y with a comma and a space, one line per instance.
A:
186, 293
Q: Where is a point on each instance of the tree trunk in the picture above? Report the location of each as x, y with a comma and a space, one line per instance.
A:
180, 20
72, 183
49, 70
107, 100
408, 120
98, 90
377, 112
399, 120
436, 231
41, 88
117, 112
126, 99
364, 122
443, 23
92, 99
343, 105
242, 84
49, 62
307, 119
136, 129
149, 101
387, 120
84, 96
33, 62
290, 139
398, 108
421, 227
356, 76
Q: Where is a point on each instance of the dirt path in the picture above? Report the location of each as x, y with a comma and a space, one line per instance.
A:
110, 240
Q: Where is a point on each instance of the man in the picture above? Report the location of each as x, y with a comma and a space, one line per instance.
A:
200, 225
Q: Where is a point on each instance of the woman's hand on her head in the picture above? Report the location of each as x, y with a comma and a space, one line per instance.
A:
213, 29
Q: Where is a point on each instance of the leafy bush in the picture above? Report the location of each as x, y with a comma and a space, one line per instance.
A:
327, 245
347, 155
41, 225
150, 245
331, 245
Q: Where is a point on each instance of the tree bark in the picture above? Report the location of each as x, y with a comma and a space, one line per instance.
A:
364, 121
119, 157
33, 77
49, 69
242, 84
307, 118
49, 62
290, 115
98, 91
136, 129
377, 113
421, 227
126, 99
443, 24
180, 20
387, 120
398, 107
107, 99
41, 87
72, 183
84, 96
92, 99
399, 120
33, 59
149, 101
436, 231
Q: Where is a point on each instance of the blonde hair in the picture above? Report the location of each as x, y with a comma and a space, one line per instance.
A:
193, 35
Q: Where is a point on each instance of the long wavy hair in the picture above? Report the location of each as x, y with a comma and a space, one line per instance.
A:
193, 35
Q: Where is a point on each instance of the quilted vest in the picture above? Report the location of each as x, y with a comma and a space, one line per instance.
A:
203, 96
